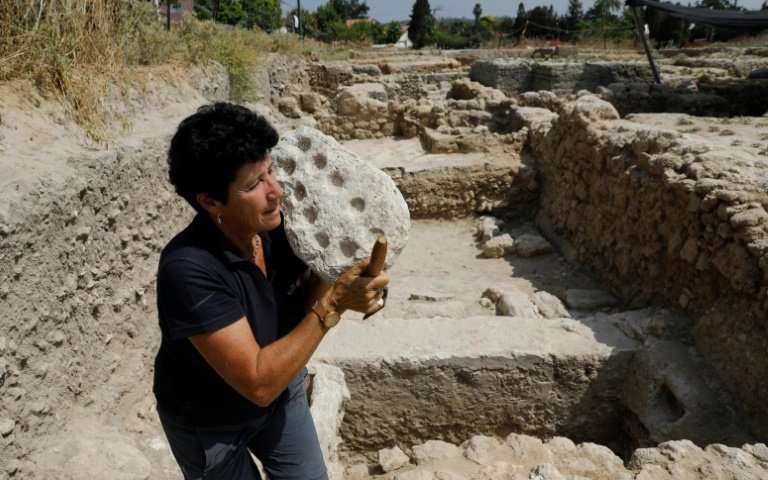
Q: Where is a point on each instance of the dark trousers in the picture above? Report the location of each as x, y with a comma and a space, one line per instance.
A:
285, 442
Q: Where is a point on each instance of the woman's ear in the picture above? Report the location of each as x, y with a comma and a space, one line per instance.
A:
209, 204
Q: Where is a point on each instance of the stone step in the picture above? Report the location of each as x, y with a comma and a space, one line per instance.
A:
417, 379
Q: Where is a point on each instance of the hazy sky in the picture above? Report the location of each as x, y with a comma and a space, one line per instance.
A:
385, 10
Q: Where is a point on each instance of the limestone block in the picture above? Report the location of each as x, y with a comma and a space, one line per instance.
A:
500, 470
430, 365
583, 299
484, 450
533, 118
673, 394
417, 474
289, 107
498, 247
545, 471
594, 109
336, 204
434, 141
435, 450
531, 245
527, 450
310, 102
351, 100
515, 304
392, 459
329, 393
549, 305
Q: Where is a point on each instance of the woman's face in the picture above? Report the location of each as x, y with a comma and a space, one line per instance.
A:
253, 202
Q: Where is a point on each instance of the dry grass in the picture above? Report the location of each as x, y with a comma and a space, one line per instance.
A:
75, 48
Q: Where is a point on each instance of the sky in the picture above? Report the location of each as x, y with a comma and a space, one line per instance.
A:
386, 10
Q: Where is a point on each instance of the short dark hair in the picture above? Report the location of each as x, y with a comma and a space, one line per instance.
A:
212, 144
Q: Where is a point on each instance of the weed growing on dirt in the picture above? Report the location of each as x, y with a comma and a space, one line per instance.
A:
727, 133
76, 48
684, 121
691, 130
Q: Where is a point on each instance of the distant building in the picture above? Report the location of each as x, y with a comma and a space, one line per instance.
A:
179, 9
404, 41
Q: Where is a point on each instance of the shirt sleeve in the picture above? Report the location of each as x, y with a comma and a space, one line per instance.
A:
193, 299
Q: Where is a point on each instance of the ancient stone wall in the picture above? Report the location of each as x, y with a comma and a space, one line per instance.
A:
517, 76
672, 219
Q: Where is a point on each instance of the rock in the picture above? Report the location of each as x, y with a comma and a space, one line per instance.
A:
91, 451
515, 304
484, 450
446, 475
435, 450
336, 204
6, 426
353, 100
531, 245
581, 299
310, 102
499, 470
289, 107
417, 474
498, 247
368, 69
527, 450
673, 394
359, 471
329, 393
464, 89
532, 118
392, 459
435, 142
546, 471
486, 227
57, 337
549, 305
593, 109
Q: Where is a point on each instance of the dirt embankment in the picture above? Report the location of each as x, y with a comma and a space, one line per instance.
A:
81, 226
669, 218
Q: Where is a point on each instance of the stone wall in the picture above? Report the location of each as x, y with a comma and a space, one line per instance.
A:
517, 76
671, 219
714, 98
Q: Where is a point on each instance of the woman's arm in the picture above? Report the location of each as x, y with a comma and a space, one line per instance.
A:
261, 374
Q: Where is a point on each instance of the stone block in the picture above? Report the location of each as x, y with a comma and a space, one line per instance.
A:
336, 204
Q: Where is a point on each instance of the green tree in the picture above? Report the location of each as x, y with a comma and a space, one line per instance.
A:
765, 5
329, 24
265, 14
421, 30
391, 32
520, 19
574, 15
477, 12
350, 8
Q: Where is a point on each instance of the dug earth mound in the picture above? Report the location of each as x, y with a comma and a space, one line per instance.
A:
582, 294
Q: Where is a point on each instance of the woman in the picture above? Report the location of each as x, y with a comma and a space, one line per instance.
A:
240, 314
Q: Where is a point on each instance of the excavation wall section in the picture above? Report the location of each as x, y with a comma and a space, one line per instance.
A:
667, 218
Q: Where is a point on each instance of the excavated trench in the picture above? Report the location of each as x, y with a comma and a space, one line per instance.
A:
569, 274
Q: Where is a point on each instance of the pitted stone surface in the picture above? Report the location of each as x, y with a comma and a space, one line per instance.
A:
336, 204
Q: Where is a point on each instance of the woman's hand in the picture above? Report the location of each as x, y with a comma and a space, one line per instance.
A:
354, 291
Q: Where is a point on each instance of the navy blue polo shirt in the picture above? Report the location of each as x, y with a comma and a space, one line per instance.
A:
204, 285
